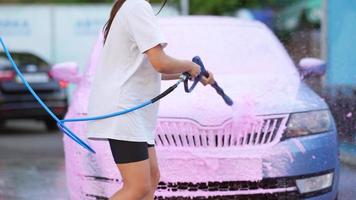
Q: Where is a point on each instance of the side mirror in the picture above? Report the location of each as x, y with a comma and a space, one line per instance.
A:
311, 67
67, 72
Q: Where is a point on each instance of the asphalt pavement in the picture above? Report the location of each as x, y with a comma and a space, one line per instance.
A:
32, 164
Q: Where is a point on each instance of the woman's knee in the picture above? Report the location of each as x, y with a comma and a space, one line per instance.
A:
138, 190
154, 168
136, 179
155, 176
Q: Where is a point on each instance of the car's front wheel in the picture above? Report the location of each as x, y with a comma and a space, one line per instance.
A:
51, 125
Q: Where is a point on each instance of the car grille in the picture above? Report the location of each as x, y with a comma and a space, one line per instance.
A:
280, 188
271, 188
266, 130
227, 185
281, 196
277, 196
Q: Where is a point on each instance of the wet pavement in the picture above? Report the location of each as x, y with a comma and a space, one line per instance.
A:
32, 165
347, 187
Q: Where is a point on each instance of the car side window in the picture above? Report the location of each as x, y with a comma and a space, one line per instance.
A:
23, 60
29, 59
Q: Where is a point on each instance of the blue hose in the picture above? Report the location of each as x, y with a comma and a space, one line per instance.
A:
108, 115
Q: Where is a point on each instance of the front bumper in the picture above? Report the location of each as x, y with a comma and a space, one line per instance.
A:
285, 162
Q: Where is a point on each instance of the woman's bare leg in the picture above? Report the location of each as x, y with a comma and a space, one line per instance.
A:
136, 181
155, 175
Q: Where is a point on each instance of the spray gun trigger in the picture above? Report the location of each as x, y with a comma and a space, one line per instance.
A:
184, 76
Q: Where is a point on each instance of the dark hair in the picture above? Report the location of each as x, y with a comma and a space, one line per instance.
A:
116, 7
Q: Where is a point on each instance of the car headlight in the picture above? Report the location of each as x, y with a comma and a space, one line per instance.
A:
315, 183
301, 124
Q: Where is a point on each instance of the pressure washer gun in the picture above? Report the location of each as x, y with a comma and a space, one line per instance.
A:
203, 72
185, 77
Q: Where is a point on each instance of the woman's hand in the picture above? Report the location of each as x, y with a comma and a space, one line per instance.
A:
208, 81
194, 70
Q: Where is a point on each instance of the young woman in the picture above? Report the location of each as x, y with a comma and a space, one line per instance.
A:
129, 71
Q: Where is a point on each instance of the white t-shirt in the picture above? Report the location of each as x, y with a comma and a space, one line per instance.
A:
125, 78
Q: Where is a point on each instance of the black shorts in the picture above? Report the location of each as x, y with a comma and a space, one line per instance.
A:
128, 152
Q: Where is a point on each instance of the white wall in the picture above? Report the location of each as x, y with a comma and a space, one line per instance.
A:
75, 31
58, 33
27, 29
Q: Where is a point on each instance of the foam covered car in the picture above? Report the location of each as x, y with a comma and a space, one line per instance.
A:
278, 141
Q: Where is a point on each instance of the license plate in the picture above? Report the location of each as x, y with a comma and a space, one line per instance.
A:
34, 78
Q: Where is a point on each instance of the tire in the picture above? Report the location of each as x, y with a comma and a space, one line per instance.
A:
51, 125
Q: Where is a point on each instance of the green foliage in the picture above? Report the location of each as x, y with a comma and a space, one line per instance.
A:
215, 7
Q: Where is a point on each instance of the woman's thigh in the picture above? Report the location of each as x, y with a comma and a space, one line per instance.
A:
133, 162
136, 174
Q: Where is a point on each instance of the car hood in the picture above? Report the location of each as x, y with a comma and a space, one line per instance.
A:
257, 95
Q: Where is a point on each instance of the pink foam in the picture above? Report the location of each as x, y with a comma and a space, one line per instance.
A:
222, 165
66, 72
244, 115
299, 145
349, 115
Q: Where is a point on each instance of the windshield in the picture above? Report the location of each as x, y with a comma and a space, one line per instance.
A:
245, 57
247, 49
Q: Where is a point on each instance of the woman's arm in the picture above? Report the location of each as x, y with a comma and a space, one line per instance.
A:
205, 81
171, 68
168, 77
167, 65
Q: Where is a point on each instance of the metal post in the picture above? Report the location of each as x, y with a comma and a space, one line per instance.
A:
184, 4
324, 43
324, 28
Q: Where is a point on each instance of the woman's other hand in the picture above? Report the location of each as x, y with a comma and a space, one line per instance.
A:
194, 70
208, 80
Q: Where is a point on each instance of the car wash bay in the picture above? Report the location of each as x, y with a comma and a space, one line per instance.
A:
32, 161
